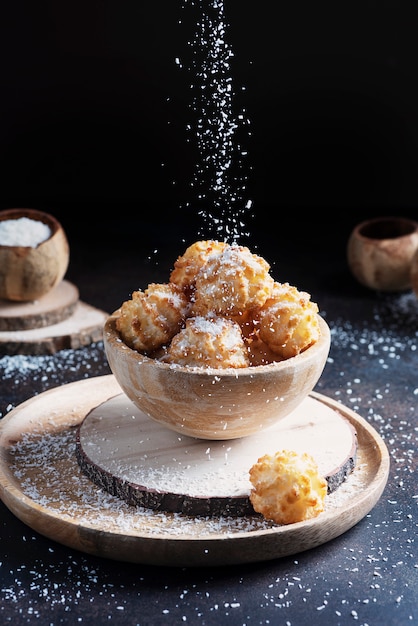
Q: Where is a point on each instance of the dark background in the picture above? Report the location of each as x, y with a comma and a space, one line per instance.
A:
93, 112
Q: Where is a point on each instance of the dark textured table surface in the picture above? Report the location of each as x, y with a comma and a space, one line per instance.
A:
367, 576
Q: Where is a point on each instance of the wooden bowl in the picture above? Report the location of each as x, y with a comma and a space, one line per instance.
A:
380, 252
29, 272
414, 273
215, 403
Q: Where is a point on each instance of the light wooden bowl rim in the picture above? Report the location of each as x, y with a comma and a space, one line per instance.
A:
408, 225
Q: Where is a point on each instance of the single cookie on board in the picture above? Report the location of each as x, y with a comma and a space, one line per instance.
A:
287, 487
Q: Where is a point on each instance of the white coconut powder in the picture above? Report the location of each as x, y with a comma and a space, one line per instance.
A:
23, 231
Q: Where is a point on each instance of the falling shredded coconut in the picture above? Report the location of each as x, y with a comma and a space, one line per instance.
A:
219, 183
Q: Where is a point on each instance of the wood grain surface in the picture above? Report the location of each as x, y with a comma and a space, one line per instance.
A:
125, 452
56, 306
55, 322
42, 484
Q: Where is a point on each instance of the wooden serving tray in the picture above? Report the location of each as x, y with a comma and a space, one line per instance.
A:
43, 485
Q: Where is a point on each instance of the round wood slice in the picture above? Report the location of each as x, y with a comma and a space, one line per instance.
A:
82, 328
139, 460
54, 307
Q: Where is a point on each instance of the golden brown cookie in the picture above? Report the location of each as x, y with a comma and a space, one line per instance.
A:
287, 488
208, 342
232, 283
152, 317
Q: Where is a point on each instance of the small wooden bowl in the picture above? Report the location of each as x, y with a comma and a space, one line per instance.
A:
27, 273
380, 252
215, 403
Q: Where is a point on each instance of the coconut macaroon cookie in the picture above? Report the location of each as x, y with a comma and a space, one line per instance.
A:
288, 321
287, 487
209, 342
188, 265
152, 317
232, 282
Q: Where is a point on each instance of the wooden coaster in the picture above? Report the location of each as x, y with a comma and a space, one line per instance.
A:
83, 327
53, 308
137, 459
